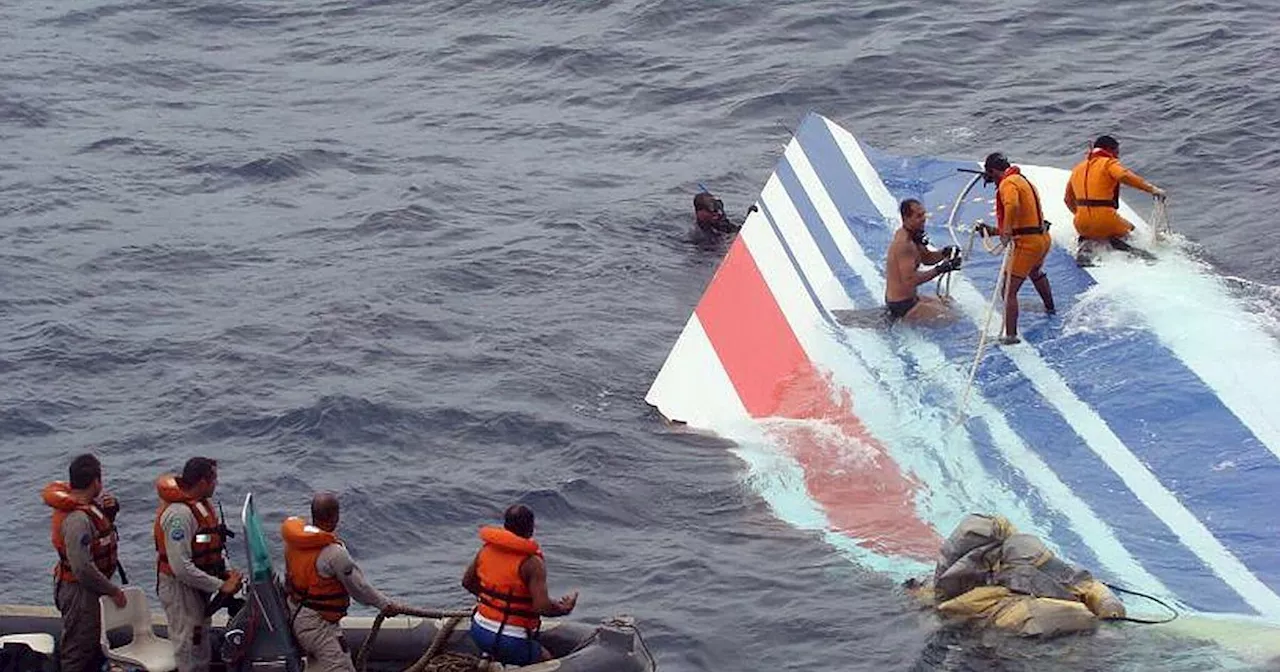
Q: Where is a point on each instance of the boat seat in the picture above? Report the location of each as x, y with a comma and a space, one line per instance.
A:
39, 642
146, 650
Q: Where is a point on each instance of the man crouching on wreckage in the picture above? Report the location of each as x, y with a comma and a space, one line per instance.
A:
990, 575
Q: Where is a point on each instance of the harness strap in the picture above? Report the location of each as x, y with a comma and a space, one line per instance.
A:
507, 614
319, 596
508, 610
309, 600
1039, 211
1032, 230
506, 597
1113, 202
212, 550
209, 558
322, 607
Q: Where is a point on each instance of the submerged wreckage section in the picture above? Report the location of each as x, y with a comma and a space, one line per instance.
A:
1130, 432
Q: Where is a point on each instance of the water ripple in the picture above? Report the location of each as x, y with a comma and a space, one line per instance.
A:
430, 255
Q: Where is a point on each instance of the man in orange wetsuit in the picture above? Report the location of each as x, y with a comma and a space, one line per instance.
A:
509, 579
1093, 194
1019, 222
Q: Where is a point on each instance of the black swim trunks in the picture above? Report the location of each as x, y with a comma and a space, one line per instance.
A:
897, 309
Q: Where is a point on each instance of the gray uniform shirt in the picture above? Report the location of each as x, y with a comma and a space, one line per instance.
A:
335, 561
77, 535
179, 526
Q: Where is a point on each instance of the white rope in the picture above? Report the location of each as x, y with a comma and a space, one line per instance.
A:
1001, 292
991, 249
943, 289
1160, 220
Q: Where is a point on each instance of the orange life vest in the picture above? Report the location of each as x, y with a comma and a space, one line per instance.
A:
1092, 182
1029, 220
105, 543
504, 597
302, 546
206, 547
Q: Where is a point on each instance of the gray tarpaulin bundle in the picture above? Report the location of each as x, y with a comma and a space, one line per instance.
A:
990, 574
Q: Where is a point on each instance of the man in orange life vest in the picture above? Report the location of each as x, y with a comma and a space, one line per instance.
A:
509, 579
189, 564
84, 535
1093, 195
321, 578
1019, 222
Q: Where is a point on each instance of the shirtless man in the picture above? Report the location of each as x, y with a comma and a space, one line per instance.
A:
907, 253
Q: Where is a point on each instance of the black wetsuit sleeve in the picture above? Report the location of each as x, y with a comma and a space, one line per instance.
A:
726, 225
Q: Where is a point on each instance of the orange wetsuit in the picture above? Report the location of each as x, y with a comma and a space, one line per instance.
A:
1018, 215
1093, 194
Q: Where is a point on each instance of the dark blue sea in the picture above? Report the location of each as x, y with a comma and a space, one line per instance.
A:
431, 254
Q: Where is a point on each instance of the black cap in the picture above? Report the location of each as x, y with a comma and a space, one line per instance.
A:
1107, 142
995, 163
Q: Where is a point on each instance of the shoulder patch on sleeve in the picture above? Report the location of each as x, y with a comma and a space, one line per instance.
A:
85, 539
177, 534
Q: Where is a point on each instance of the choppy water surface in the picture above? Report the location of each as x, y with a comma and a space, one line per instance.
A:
431, 254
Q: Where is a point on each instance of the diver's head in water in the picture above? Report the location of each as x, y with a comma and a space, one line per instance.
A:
993, 168
707, 206
1107, 143
708, 213
913, 215
518, 520
324, 511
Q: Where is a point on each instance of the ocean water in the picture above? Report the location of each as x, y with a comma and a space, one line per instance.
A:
431, 254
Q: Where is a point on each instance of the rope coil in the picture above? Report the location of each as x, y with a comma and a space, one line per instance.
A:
441, 638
